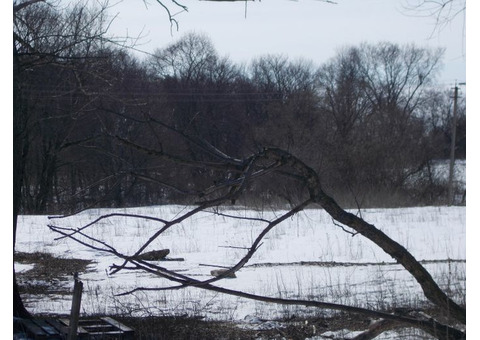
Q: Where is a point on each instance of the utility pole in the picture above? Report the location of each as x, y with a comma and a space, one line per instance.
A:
451, 194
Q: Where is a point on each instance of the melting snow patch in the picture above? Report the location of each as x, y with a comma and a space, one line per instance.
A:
22, 268
257, 324
341, 334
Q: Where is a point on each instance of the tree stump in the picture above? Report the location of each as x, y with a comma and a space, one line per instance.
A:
218, 272
154, 255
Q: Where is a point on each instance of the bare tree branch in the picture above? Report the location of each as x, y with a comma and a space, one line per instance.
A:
316, 195
22, 5
443, 12
431, 326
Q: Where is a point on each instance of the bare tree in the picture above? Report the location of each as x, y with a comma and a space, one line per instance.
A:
48, 38
192, 58
371, 96
287, 110
233, 177
443, 12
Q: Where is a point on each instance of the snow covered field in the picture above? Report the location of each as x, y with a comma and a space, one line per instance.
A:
307, 256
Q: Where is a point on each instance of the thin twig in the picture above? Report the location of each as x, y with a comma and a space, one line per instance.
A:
343, 228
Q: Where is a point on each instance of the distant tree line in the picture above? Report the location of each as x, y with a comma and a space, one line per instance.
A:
371, 121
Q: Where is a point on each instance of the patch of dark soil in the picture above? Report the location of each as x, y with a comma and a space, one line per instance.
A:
50, 275
181, 328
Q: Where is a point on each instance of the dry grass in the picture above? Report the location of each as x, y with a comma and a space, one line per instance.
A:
48, 274
180, 328
51, 276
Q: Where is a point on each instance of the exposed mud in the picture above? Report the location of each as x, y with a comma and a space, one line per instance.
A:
49, 275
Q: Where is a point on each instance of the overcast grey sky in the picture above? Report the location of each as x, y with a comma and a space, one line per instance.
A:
310, 29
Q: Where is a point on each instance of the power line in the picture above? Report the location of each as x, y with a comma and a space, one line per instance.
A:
452, 145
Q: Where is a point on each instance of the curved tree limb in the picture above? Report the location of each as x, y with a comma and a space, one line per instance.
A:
431, 326
288, 165
430, 288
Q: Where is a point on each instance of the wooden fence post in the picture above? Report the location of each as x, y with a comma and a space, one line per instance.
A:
75, 312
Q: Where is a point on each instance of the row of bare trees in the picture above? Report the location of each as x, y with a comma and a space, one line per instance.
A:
368, 119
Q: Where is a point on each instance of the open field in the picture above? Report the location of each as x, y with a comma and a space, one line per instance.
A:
307, 257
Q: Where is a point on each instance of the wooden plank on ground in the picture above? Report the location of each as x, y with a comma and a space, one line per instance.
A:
80, 329
117, 324
60, 327
49, 330
32, 328
104, 326
128, 333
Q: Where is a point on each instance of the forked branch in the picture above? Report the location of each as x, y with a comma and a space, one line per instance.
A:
285, 164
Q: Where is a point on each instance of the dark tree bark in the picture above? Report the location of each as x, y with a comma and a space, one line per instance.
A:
431, 290
40, 39
19, 129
